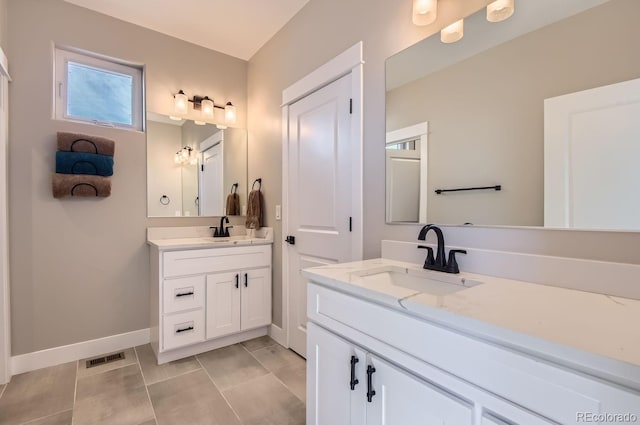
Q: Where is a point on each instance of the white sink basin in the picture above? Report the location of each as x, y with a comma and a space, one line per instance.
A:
425, 281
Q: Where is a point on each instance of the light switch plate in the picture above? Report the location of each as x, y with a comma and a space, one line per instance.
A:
278, 212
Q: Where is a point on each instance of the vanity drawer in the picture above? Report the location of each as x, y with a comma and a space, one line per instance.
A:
182, 294
183, 329
211, 260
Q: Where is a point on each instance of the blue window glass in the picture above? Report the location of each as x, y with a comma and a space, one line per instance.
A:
98, 94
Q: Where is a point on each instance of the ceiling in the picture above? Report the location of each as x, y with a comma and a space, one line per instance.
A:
235, 27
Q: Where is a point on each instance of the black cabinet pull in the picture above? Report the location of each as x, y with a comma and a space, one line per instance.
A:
237, 281
190, 328
370, 391
354, 381
185, 294
246, 282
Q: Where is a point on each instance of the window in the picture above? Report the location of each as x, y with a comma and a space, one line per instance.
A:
97, 90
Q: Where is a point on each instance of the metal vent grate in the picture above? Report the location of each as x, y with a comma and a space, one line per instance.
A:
105, 359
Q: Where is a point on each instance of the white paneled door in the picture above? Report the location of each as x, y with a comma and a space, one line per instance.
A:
592, 145
319, 192
211, 194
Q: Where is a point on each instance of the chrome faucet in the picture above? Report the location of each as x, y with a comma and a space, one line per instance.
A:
222, 231
439, 263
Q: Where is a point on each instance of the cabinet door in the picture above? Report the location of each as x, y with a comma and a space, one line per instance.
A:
255, 307
223, 304
330, 397
401, 398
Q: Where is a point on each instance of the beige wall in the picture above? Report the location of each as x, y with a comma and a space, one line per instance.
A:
502, 138
79, 267
4, 20
163, 174
385, 28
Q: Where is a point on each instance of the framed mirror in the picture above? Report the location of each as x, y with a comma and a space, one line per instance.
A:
195, 170
490, 113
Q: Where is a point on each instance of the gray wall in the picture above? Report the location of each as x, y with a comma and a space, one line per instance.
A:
385, 28
502, 138
79, 267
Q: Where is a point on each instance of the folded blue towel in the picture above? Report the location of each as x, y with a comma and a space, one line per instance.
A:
84, 163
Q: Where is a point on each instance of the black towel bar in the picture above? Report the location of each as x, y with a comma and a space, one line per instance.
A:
496, 187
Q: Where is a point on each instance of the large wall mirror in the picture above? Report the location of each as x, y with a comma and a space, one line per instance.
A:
541, 110
195, 169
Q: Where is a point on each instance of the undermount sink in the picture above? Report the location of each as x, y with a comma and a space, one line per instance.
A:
229, 239
429, 282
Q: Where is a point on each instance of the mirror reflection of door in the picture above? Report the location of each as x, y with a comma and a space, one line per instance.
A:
403, 182
211, 185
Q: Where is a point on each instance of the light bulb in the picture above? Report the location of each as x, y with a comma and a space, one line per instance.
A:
453, 32
424, 11
500, 10
207, 107
176, 158
230, 113
180, 103
185, 153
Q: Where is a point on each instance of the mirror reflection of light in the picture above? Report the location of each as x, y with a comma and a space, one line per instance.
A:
500, 10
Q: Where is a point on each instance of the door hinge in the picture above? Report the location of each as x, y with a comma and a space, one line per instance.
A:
351, 224
201, 167
351, 106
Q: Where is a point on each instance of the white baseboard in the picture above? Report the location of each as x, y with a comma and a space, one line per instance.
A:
81, 350
279, 335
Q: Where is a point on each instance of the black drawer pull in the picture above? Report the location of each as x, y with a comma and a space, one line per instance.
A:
237, 281
190, 328
184, 294
370, 391
354, 381
246, 283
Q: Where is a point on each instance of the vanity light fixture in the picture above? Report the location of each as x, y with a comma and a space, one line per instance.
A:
180, 103
453, 32
186, 155
196, 122
500, 10
424, 11
229, 113
171, 117
205, 105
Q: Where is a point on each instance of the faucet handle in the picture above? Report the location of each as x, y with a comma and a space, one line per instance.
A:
452, 264
429, 261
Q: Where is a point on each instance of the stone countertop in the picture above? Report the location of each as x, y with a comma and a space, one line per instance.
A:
597, 333
171, 238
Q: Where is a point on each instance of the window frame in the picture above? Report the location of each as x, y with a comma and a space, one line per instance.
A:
62, 57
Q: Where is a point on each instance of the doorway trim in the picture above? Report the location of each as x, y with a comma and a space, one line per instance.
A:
5, 311
348, 62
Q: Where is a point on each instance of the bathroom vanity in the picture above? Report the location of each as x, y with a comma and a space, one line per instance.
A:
207, 292
391, 343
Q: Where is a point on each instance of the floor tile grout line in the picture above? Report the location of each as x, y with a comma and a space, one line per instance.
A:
44, 417
276, 376
146, 387
174, 376
75, 394
218, 389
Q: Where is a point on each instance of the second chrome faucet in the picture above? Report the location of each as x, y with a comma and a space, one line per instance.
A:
439, 263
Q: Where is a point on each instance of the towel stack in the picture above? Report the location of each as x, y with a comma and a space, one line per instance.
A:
83, 166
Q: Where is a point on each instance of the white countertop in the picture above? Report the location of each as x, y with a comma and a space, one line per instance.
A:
597, 332
171, 238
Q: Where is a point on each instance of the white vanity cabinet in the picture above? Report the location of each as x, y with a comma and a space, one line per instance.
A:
426, 373
206, 298
352, 386
238, 301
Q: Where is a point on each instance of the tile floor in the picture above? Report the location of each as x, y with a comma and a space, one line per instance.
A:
257, 382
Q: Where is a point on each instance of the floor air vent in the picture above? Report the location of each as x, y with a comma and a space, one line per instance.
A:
105, 359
